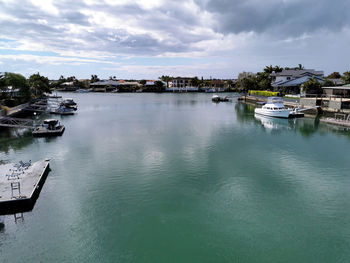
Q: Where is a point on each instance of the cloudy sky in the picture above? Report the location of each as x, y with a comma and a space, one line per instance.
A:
149, 38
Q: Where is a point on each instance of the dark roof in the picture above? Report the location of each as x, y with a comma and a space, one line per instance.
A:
105, 83
297, 73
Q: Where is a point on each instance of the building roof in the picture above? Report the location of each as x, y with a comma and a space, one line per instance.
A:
295, 81
297, 73
345, 87
105, 83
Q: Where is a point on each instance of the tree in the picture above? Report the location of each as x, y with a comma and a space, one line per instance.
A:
327, 83
346, 77
39, 84
143, 82
300, 66
159, 85
246, 81
166, 79
270, 69
194, 82
334, 75
94, 78
263, 81
16, 82
312, 86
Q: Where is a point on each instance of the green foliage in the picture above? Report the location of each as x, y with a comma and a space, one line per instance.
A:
159, 85
246, 81
143, 82
94, 78
263, 81
16, 81
312, 87
346, 77
327, 83
270, 69
166, 79
264, 93
194, 82
39, 84
334, 75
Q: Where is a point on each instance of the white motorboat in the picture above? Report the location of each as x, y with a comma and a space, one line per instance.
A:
274, 108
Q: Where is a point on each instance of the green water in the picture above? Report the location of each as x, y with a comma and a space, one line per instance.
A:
175, 178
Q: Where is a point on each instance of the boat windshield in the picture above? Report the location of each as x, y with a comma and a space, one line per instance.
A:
274, 100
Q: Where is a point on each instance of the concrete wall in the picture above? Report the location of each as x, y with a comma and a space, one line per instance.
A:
335, 104
308, 102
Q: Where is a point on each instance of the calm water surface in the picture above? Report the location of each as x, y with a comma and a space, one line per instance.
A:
175, 178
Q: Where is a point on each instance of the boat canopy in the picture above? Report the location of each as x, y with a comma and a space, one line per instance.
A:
274, 100
50, 121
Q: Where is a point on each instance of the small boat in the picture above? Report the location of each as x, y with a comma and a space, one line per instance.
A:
50, 127
63, 110
217, 98
69, 103
274, 108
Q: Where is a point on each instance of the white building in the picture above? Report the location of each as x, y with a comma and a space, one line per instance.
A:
180, 84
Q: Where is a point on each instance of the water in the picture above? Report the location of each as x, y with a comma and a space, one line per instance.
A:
175, 178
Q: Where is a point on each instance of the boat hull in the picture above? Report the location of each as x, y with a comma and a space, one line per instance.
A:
272, 113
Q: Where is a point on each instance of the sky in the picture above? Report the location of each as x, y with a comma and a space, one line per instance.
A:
145, 39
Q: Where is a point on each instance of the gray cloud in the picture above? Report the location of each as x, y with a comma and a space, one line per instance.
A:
283, 17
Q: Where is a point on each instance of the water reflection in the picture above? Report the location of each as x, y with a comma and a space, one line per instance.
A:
307, 126
277, 124
15, 139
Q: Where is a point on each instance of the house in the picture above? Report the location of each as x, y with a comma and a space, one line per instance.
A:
338, 91
68, 86
181, 84
104, 85
290, 80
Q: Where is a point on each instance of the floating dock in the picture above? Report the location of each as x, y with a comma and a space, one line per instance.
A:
20, 187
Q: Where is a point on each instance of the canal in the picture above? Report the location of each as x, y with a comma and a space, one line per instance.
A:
177, 178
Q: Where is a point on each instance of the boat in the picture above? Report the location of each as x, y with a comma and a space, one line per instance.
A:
62, 110
50, 127
69, 103
217, 98
274, 108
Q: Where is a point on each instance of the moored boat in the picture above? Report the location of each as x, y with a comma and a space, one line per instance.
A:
274, 108
50, 127
62, 110
217, 98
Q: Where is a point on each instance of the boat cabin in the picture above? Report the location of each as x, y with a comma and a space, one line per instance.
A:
50, 124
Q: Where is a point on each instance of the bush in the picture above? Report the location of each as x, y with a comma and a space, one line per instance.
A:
264, 93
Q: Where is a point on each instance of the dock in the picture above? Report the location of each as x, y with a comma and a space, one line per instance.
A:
16, 122
20, 187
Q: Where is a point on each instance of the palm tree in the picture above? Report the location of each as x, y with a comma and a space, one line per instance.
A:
166, 79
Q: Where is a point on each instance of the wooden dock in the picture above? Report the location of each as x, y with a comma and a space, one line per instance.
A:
20, 188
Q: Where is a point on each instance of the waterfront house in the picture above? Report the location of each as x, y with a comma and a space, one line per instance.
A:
289, 81
68, 86
338, 91
104, 85
181, 84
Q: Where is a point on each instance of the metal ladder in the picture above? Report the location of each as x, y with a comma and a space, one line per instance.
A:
15, 186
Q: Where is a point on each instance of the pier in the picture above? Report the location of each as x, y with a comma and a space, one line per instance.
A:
16, 122
20, 186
